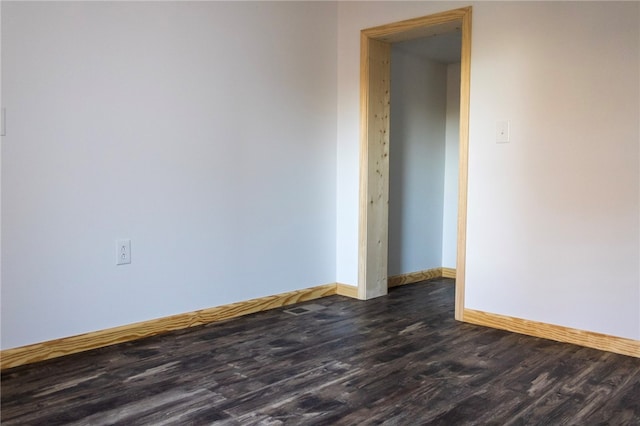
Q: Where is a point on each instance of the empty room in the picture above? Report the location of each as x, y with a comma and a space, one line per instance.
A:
205, 213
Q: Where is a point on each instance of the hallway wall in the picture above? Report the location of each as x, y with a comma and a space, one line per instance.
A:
416, 162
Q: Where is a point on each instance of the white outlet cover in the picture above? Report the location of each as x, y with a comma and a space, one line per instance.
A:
123, 252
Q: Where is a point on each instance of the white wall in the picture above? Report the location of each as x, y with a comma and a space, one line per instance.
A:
416, 162
203, 131
553, 217
451, 170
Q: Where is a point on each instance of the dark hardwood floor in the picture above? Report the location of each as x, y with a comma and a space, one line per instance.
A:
395, 360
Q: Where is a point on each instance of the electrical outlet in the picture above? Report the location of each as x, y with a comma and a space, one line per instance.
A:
123, 252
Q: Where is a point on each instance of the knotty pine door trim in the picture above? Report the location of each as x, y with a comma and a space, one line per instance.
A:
375, 70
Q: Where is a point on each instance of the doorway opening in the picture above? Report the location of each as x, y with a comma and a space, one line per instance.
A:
375, 72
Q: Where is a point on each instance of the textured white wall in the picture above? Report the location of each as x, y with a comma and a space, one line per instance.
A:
553, 217
416, 162
203, 131
452, 148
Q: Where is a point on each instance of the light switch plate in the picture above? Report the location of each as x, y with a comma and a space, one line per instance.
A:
502, 132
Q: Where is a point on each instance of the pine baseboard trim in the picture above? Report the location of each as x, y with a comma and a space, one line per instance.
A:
83, 342
448, 273
347, 290
415, 277
589, 339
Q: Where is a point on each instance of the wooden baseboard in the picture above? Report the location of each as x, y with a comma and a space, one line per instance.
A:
604, 342
84, 342
347, 290
415, 277
448, 273
69, 345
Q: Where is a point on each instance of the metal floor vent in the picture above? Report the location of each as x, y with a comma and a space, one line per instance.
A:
301, 310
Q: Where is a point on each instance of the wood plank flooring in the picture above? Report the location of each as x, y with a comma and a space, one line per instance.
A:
395, 360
